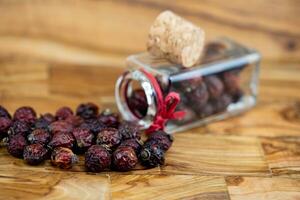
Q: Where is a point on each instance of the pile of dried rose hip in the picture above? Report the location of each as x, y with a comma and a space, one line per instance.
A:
102, 138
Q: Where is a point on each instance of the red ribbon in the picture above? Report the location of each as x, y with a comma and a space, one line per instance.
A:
165, 106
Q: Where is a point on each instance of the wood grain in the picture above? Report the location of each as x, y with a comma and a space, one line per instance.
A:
252, 188
168, 187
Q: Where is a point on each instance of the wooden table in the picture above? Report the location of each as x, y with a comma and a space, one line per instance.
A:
63, 52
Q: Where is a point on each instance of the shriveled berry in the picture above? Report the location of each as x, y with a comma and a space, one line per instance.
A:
4, 112
133, 143
137, 103
60, 127
109, 119
5, 124
214, 86
152, 156
124, 158
63, 158
48, 117
41, 123
231, 81
34, 154
206, 111
63, 113
39, 136
129, 130
198, 97
16, 145
87, 110
222, 103
109, 137
25, 114
74, 120
84, 138
97, 158
62, 140
162, 138
19, 128
93, 125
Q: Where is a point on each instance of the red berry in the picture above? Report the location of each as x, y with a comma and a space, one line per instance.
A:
63, 158
87, 110
16, 145
62, 140
5, 124
63, 113
109, 137
60, 127
222, 103
133, 143
48, 117
74, 120
39, 136
152, 155
34, 154
163, 139
124, 158
25, 114
4, 112
93, 125
214, 85
129, 130
109, 119
231, 81
97, 158
84, 138
19, 128
137, 103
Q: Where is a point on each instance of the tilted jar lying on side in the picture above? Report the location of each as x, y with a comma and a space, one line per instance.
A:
223, 84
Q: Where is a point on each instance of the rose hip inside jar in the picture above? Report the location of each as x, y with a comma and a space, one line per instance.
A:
223, 84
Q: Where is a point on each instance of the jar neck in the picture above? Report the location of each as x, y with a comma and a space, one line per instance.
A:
124, 90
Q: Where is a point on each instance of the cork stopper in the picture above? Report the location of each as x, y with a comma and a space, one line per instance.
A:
176, 39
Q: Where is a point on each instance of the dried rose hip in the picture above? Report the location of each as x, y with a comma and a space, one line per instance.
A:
163, 139
19, 128
25, 114
109, 137
60, 127
41, 123
124, 158
16, 145
39, 136
87, 110
5, 124
129, 130
63, 158
74, 120
231, 81
198, 97
133, 143
214, 86
84, 138
207, 110
222, 103
109, 119
48, 117
137, 103
62, 140
34, 154
63, 113
4, 112
97, 158
93, 125
152, 156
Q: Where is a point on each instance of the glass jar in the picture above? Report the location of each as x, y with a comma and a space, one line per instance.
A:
223, 84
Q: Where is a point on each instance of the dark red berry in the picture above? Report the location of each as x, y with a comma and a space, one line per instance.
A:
63, 113
60, 127
19, 128
74, 120
124, 158
84, 138
231, 81
48, 117
129, 130
39, 136
133, 143
5, 124
63, 158
214, 86
198, 97
97, 158
137, 103
206, 111
62, 140
16, 145
93, 125
152, 156
109, 119
87, 110
109, 137
163, 139
25, 114
4, 112
41, 123
222, 103
34, 154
